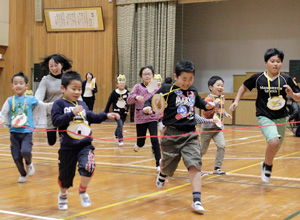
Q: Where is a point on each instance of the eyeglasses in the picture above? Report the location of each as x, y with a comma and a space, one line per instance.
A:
147, 74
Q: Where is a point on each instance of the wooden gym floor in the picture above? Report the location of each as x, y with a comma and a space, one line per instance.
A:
123, 186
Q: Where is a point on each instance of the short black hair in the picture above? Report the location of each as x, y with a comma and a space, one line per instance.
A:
21, 74
168, 80
184, 66
146, 67
58, 58
273, 52
90, 74
212, 80
67, 77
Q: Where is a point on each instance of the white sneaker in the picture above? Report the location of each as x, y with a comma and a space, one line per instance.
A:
136, 148
160, 184
265, 174
22, 179
85, 199
219, 172
30, 169
62, 203
121, 143
197, 206
203, 174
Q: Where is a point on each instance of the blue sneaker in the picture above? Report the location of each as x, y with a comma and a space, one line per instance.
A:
219, 172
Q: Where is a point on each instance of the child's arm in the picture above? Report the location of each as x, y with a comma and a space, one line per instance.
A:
238, 97
109, 102
59, 119
201, 120
5, 114
134, 97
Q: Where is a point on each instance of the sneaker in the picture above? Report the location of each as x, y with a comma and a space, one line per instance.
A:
203, 174
30, 169
22, 179
136, 148
219, 172
116, 139
62, 203
265, 174
85, 199
197, 206
160, 184
121, 143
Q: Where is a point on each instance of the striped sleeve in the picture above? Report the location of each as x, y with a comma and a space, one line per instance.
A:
201, 120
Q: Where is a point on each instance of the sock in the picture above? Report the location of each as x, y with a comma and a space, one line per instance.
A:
196, 196
82, 189
162, 177
63, 195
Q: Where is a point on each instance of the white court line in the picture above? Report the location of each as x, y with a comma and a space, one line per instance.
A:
256, 176
140, 161
27, 215
178, 170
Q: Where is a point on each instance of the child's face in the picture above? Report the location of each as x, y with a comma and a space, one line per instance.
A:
274, 65
217, 88
54, 68
185, 80
73, 90
147, 75
19, 86
121, 85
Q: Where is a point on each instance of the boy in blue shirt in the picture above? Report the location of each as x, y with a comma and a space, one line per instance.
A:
71, 114
17, 112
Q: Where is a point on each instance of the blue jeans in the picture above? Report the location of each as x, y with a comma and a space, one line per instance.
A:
119, 129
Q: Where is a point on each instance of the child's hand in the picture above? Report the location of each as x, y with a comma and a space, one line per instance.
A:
233, 106
217, 101
210, 105
77, 109
140, 98
113, 115
229, 116
288, 90
2, 123
148, 110
214, 121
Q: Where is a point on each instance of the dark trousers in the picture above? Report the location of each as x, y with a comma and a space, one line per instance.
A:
68, 159
89, 101
21, 147
141, 130
52, 136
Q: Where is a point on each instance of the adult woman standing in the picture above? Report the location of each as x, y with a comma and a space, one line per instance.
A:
49, 87
89, 88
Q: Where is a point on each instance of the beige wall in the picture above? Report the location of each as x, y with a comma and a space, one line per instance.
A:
230, 37
90, 51
4, 22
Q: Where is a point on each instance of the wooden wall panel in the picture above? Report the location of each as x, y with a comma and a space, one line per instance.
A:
17, 55
90, 51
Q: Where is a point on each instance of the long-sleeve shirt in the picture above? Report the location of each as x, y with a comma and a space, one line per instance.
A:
113, 99
62, 115
219, 110
180, 110
139, 116
49, 91
201, 120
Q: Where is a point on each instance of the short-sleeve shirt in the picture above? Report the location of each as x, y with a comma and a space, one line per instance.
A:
19, 108
260, 81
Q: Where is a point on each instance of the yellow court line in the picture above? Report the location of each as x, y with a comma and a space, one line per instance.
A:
163, 191
126, 201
